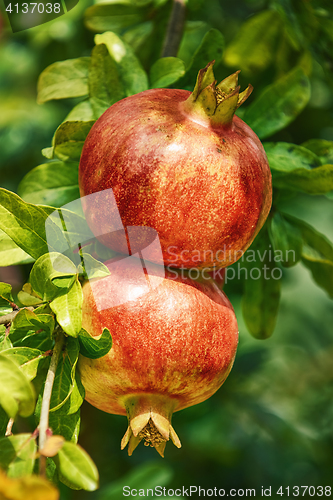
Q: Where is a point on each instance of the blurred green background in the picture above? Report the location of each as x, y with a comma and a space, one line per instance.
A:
271, 424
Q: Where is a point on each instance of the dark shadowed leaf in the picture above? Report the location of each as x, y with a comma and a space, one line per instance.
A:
105, 87
113, 16
76, 468
260, 301
279, 104
3, 422
54, 184
286, 240
17, 455
166, 71
131, 74
317, 253
93, 347
64, 79
65, 425
253, 47
16, 392
322, 148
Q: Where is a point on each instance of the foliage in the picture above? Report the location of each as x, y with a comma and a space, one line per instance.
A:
284, 48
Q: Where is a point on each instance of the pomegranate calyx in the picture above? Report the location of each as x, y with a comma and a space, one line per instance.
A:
149, 419
215, 104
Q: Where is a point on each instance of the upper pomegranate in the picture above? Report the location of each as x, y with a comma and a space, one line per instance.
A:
183, 164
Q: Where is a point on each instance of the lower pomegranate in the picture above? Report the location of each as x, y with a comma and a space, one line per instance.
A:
174, 343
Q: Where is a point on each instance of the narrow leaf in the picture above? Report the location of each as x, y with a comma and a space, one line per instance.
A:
284, 157
286, 240
68, 309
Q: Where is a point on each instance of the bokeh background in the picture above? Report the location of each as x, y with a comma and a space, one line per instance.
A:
271, 424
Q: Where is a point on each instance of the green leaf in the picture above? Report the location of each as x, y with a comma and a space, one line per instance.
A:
284, 157
48, 153
17, 455
28, 320
28, 297
92, 268
93, 347
64, 79
16, 392
113, 17
54, 184
82, 112
45, 270
105, 86
286, 240
69, 138
24, 223
10, 253
166, 71
67, 426
317, 181
27, 359
210, 48
68, 309
253, 48
132, 76
5, 342
76, 468
322, 148
260, 301
279, 104
317, 253
6, 295
4, 419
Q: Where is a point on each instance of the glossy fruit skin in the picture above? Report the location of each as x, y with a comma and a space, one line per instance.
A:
177, 342
205, 189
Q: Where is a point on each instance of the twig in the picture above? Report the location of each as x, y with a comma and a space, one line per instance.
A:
9, 318
175, 29
44, 414
9, 427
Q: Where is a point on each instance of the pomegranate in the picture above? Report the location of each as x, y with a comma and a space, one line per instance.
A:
174, 343
183, 164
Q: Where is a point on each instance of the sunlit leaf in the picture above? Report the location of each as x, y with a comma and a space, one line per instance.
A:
17, 454
10, 253
68, 309
27, 359
54, 184
69, 138
76, 468
16, 393
29, 487
64, 79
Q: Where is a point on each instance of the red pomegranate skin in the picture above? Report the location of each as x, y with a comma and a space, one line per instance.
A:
176, 343
205, 189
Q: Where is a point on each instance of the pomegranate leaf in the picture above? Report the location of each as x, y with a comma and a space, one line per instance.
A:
52, 183
27, 359
317, 254
286, 239
16, 392
6, 296
210, 48
262, 284
47, 268
3, 421
28, 320
68, 309
10, 253
92, 268
17, 454
166, 71
284, 157
65, 425
132, 76
5, 342
92, 347
69, 138
253, 48
64, 79
322, 148
279, 103
24, 223
75, 467
82, 112
114, 16
105, 87
316, 181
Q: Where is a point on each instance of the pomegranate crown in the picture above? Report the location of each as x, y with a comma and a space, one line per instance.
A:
215, 104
